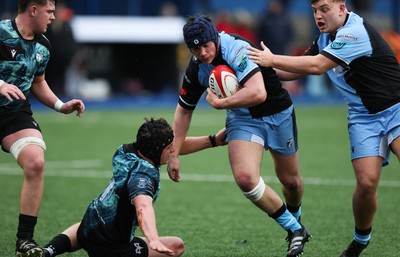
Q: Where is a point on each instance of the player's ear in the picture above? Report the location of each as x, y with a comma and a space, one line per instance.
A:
342, 9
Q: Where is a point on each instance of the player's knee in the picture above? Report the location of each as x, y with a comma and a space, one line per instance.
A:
292, 183
178, 246
367, 185
256, 193
244, 180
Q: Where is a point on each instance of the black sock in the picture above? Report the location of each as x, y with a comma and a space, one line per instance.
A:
26, 226
59, 245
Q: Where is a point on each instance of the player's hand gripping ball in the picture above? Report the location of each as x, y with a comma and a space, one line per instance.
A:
223, 81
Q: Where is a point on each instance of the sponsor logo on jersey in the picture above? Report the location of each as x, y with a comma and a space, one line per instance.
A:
336, 45
187, 79
348, 37
13, 52
183, 92
242, 63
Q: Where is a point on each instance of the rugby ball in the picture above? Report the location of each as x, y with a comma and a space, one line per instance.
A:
223, 81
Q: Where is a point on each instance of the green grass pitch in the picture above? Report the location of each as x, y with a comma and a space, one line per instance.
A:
206, 208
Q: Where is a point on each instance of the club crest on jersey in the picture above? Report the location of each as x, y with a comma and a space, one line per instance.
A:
142, 183
337, 45
39, 57
289, 143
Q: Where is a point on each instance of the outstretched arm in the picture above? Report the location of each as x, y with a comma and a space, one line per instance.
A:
45, 95
147, 223
195, 144
181, 125
302, 65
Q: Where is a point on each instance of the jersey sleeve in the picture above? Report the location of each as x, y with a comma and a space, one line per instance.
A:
191, 90
350, 43
142, 183
42, 55
236, 56
313, 49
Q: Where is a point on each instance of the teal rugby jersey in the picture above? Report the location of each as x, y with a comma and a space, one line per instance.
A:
20, 60
111, 218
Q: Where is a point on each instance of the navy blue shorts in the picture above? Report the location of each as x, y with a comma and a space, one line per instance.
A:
11, 122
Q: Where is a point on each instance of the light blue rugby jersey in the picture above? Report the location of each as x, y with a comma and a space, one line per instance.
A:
111, 218
368, 74
20, 60
233, 52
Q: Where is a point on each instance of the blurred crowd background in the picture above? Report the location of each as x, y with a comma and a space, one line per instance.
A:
109, 64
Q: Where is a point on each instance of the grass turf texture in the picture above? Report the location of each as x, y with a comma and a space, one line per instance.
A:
206, 208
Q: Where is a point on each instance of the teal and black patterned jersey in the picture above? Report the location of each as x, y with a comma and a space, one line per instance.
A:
20, 61
111, 218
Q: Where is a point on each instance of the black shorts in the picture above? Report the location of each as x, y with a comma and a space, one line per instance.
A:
13, 121
136, 248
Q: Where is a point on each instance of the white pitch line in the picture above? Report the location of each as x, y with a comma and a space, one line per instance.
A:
92, 169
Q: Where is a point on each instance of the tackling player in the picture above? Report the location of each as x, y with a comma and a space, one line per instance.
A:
110, 221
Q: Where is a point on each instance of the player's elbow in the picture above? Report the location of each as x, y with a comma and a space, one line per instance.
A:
260, 95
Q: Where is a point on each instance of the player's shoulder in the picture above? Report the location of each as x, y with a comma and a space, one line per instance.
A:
43, 40
353, 26
6, 29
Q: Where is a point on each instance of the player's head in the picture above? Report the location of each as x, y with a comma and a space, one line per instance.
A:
199, 30
329, 15
201, 37
153, 137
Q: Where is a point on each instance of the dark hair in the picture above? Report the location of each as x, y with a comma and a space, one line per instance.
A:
152, 137
23, 4
198, 30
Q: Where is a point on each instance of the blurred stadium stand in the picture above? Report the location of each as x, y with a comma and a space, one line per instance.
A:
137, 52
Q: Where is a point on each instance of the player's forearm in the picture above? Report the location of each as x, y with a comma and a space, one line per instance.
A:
288, 76
195, 144
297, 64
181, 125
147, 222
43, 93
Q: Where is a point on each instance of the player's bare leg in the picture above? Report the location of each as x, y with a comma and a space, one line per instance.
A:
245, 158
365, 202
395, 146
287, 170
30, 158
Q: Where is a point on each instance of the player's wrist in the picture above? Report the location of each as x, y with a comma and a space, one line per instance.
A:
58, 105
213, 140
2, 82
